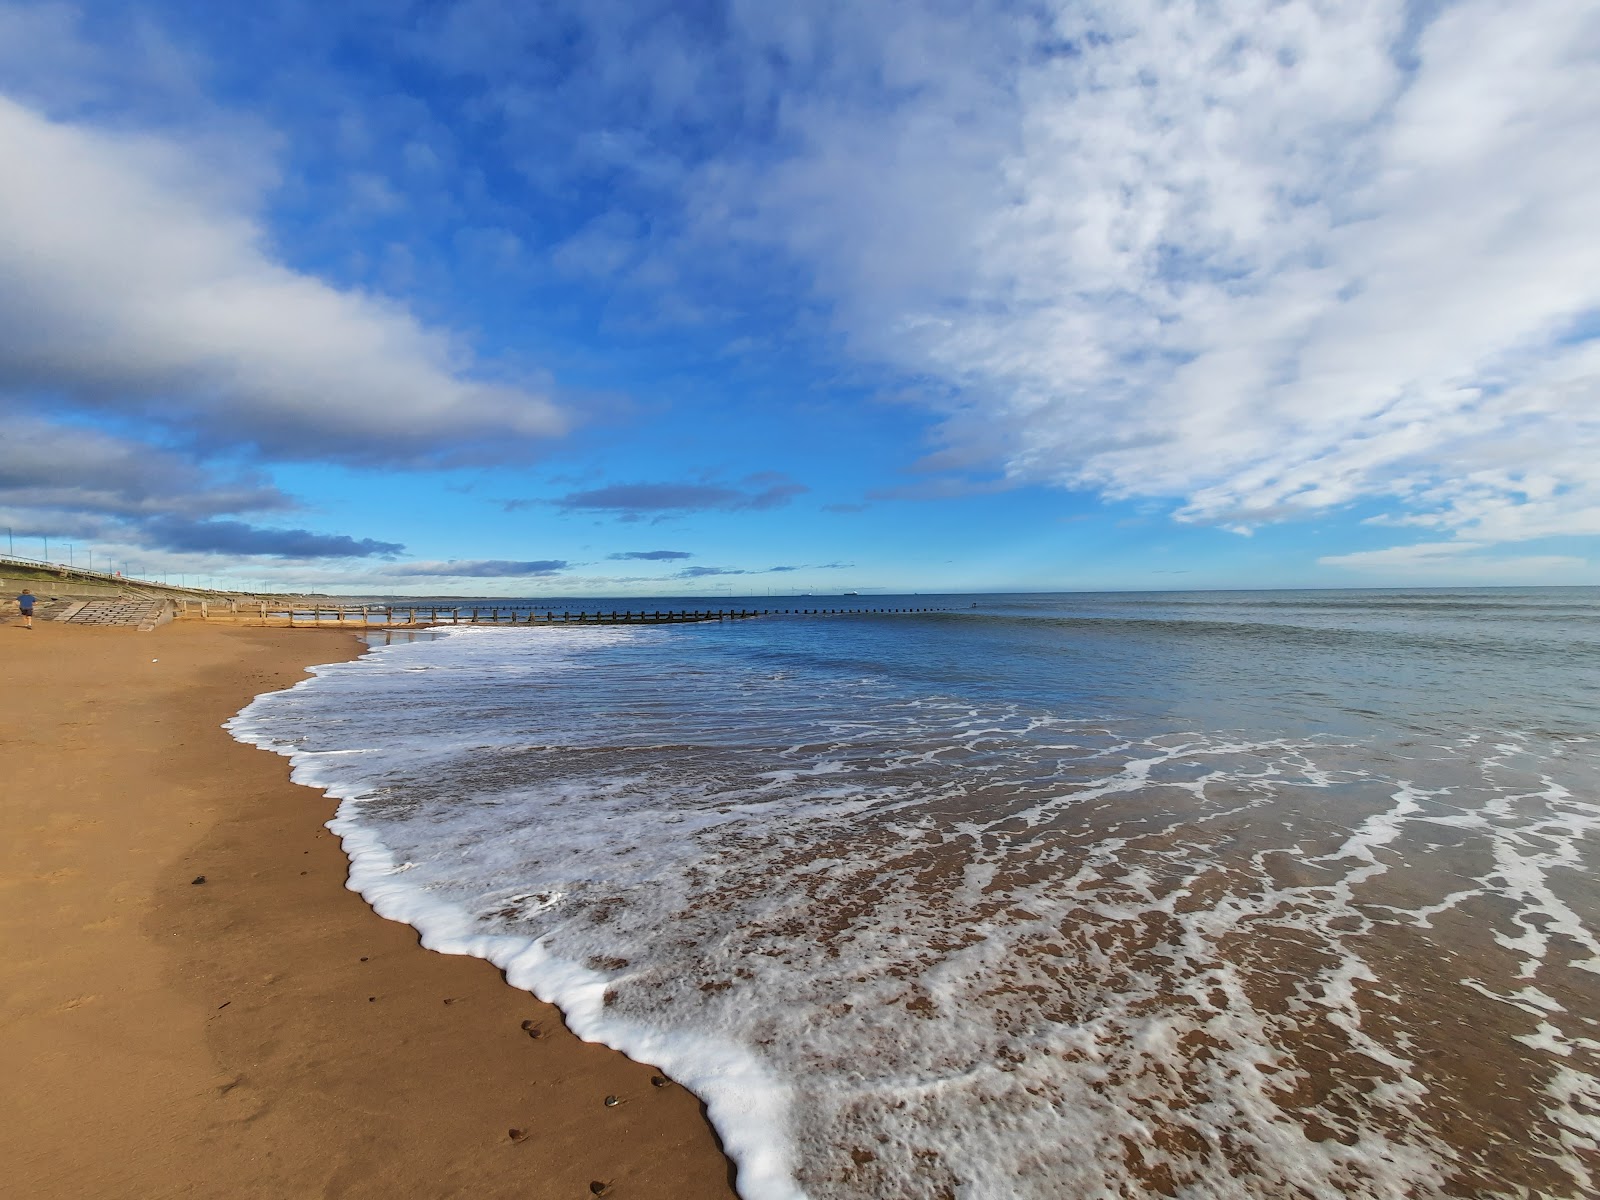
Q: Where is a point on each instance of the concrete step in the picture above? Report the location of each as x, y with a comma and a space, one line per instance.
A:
144, 614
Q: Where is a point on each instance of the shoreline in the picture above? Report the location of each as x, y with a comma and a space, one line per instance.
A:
263, 1033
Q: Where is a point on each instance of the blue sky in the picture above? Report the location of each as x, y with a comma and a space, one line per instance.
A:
609, 298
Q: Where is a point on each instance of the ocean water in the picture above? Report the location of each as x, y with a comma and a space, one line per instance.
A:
1262, 894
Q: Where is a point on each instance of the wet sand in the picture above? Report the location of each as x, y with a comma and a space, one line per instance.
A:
260, 1033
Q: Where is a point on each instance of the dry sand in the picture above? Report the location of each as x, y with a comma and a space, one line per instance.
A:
263, 1033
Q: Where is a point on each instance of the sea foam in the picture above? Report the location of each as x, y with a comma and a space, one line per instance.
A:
910, 942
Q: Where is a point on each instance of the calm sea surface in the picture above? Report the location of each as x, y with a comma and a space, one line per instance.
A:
1270, 894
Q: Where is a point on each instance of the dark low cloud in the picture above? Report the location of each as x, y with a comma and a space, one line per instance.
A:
651, 555
235, 537
632, 501
67, 468
483, 568
702, 572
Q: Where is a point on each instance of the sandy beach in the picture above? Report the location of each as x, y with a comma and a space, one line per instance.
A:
194, 1005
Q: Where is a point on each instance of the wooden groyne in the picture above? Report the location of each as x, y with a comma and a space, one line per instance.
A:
398, 616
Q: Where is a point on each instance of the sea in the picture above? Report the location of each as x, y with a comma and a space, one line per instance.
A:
1208, 894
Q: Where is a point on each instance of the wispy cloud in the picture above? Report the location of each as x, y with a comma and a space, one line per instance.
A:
703, 572
1254, 261
1456, 562
637, 500
483, 568
651, 555
1241, 262
1263, 262
238, 538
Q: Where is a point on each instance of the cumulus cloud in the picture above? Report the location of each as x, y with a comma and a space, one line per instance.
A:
651, 555
65, 468
486, 568
1252, 260
635, 500
1261, 258
74, 482
1256, 259
138, 282
238, 538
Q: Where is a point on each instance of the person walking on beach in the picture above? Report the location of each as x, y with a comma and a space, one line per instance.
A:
25, 603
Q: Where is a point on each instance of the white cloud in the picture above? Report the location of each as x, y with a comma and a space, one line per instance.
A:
1253, 258
138, 281
63, 469
1240, 255
1460, 562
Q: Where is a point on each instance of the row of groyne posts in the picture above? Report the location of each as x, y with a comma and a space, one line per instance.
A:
390, 616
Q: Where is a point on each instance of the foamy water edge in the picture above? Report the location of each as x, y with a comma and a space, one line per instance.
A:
751, 1108
745, 1104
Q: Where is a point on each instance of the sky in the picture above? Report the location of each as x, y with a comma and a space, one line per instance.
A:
506, 297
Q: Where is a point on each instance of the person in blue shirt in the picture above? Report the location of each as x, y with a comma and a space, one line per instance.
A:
25, 603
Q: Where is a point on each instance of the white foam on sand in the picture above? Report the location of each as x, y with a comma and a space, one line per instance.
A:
914, 946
